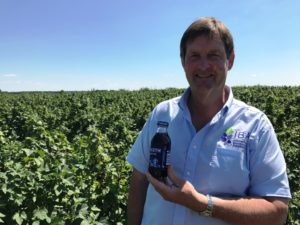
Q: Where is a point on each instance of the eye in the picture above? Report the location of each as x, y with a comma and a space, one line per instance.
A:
214, 55
194, 56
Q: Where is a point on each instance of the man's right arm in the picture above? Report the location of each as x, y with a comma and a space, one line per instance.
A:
136, 197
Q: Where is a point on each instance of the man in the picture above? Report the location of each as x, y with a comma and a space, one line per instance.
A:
227, 166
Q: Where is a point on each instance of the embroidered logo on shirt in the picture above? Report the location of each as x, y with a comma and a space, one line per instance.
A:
235, 138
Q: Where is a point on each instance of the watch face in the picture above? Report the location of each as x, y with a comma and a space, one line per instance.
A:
206, 212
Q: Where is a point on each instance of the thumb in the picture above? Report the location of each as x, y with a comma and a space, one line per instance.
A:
174, 178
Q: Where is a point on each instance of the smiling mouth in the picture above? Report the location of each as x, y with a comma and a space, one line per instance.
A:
203, 76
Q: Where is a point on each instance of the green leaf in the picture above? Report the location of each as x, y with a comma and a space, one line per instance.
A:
23, 215
36, 222
39, 161
4, 188
85, 222
1, 216
17, 217
27, 151
67, 182
57, 192
41, 214
95, 209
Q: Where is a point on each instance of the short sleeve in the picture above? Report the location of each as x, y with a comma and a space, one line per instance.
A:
268, 175
138, 155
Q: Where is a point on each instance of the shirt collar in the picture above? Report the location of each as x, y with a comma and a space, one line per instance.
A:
183, 100
229, 101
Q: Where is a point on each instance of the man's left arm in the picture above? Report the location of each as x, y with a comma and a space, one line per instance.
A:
238, 211
251, 210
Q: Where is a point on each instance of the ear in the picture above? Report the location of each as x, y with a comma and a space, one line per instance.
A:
182, 61
231, 60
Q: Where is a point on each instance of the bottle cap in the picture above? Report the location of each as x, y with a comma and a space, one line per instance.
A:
162, 124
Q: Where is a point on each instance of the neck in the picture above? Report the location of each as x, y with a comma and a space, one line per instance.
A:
204, 109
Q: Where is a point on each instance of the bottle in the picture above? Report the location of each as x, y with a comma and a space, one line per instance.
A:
160, 152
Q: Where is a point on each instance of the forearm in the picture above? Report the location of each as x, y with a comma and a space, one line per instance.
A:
135, 210
136, 198
244, 211
238, 211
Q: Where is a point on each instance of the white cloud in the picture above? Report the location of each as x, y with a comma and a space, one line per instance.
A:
9, 75
22, 85
253, 75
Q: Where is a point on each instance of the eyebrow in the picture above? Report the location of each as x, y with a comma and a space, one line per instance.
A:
215, 51
209, 52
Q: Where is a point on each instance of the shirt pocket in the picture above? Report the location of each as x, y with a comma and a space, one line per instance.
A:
229, 159
229, 174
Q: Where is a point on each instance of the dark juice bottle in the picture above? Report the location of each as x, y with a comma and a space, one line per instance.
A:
160, 151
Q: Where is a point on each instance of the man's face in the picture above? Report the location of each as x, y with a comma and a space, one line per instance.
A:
206, 65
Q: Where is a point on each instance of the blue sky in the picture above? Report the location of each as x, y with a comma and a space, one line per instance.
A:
109, 44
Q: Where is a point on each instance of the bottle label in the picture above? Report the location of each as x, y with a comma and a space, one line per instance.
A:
155, 150
157, 158
168, 161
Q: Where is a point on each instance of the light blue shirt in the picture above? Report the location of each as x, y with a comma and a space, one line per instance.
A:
235, 154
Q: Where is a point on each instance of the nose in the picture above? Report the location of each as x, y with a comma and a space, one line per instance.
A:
203, 63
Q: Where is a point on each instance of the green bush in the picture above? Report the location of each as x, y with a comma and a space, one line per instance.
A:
62, 155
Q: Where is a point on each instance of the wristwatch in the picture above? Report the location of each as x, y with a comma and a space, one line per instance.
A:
209, 208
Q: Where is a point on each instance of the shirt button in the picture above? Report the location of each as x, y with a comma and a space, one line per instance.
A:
194, 146
188, 173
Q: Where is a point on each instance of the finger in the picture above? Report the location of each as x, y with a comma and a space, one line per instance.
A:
158, 185
150, 178
167, 192
169, 182
153, 181
174, 178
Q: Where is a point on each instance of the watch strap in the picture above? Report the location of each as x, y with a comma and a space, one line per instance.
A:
209, 208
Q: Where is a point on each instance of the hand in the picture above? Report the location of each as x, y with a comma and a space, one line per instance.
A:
178, 191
